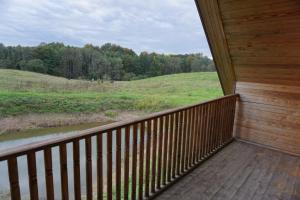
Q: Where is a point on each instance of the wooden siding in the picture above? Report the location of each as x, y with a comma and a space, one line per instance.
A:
263, 40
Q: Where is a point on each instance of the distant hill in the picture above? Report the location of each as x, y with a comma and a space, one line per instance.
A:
24, 92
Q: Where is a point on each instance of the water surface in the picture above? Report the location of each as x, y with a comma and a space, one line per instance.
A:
12, 140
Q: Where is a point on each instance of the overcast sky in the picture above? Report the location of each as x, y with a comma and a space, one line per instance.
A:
164, 26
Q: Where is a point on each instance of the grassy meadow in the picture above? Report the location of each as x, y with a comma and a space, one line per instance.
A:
26, 93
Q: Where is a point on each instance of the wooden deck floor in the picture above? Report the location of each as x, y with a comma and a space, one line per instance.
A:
241, 171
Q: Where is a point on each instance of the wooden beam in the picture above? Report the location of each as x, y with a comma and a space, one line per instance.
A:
212, 23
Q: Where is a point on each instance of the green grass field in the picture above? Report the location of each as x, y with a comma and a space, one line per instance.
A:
26, 92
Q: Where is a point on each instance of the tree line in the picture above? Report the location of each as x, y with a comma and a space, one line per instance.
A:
108, 62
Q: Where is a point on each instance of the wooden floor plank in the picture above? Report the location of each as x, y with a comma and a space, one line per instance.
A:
265, 164
279, 186
241, 171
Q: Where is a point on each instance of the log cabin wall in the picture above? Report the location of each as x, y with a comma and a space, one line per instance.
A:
263, 40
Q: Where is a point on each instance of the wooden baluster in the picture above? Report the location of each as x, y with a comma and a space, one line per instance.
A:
199, 133
200, 137
217, 113
49, 173
211, 138
187, 142
160, 148
228, 120
206, 151
189, 163
233, 99
13, 175
166, 138
179, 133
89, 175
197, 128
126, 165
76, 171
154, 152
134, 161
171, 141
221, 113
183, 157
203, 124
141, 160
192, 137
99, 166
221, 110
109, 165
220, 116
210, 126
148, 158
223, 116
118, 163
208, 113
217, 123
64, 172
175, 145
33, 184
213, 126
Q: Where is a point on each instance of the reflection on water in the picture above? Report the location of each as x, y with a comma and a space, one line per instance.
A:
19, 139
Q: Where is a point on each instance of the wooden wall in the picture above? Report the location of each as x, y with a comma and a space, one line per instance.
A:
263, 38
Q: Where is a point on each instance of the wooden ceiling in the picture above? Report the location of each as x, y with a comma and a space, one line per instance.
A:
256, 48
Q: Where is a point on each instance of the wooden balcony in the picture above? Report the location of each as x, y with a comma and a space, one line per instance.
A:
241, 171
186, 153
128, 160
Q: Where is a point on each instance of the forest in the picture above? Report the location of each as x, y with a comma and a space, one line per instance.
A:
108, 62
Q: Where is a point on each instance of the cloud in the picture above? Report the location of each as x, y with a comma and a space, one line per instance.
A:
169, 26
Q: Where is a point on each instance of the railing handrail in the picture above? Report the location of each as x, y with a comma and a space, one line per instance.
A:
23, 150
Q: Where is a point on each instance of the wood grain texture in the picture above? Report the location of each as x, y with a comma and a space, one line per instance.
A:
64, 172
126, 164
89, 169
141, 161
148, 154
33, 183
99, 166
109, 175
212, 24
118, 163
259, 41
13, 175
241, 172
134, 162
269, 114
49, 174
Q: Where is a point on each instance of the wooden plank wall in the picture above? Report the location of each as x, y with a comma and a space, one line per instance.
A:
263, 38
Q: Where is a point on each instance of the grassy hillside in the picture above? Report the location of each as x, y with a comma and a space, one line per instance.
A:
26, 92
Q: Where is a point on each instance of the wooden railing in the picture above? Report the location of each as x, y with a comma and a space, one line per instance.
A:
134, 160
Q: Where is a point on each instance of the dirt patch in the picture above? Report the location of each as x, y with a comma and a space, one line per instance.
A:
34, 121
